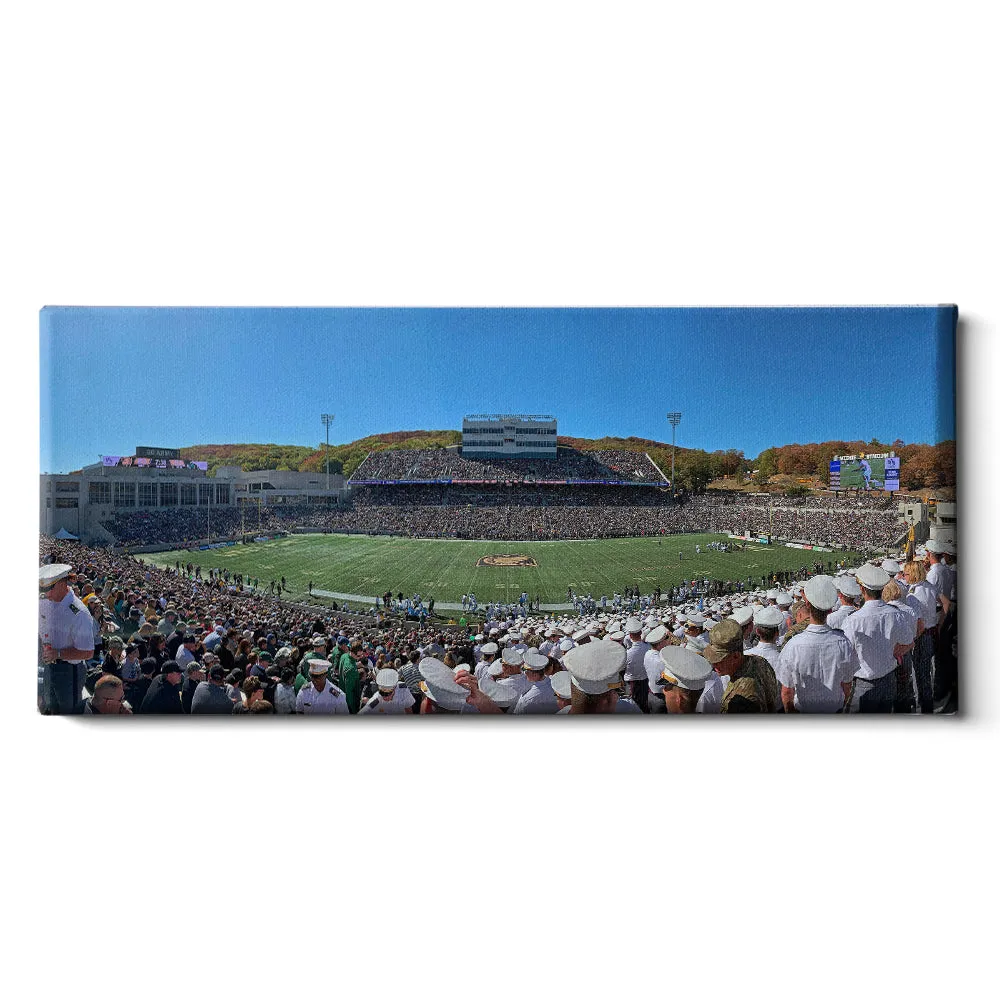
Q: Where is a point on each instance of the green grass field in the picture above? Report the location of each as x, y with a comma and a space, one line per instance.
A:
445, 569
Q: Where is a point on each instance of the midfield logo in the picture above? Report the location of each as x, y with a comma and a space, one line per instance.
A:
520, 561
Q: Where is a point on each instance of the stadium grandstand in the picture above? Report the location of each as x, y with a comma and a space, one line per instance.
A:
447, 493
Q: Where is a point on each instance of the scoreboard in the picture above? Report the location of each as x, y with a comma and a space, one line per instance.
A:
865, 472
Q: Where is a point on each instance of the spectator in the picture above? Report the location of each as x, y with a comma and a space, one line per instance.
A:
164, 694
211, 697
108, 698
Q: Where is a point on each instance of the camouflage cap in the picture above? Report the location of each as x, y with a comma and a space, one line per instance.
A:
725, 638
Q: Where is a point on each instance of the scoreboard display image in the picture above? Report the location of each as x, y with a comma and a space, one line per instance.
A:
865, 472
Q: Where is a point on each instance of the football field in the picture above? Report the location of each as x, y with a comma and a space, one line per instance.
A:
445, 569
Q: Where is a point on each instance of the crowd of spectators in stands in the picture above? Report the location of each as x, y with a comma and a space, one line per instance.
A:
519, 508
449, 463
522, 513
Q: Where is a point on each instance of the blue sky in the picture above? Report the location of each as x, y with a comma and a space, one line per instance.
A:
112, 379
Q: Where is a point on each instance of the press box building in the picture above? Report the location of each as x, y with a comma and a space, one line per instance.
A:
509, 435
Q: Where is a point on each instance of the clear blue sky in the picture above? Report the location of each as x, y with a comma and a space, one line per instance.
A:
112, 379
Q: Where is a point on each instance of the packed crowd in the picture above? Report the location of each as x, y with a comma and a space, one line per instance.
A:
556, 512
117, 636
449, 463
526, 511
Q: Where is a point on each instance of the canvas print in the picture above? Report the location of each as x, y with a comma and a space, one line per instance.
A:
525, 512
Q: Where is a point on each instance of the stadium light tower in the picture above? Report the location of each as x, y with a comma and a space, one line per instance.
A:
675, 419
327, 420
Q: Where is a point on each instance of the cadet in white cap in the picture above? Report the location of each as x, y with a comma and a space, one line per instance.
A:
66, 631
743, 616
683, 675
322, 696
879, 634
816, 667
847, 592
392, 698
694, 632
503, 696
636, 649
657, 638
766, 622
564, 646
894, 595
539, 699
489, 652
595, 669
442, 693
512, 675
562, 687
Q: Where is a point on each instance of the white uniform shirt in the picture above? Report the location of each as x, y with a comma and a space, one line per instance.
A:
401, 701
635, 656
910, 617
653, 666
770, 652
698, 642
837, 617
518, 682
330, 701
483, 668
710, 700
874, 630
921, 598
66, 624
539, 699
939, 577
815, 666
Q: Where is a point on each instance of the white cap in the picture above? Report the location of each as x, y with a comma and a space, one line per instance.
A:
684, 667
847, 585
317, 666
890, 566
784, 599
387, 678
535, 661
656, 634
489, 649
582, 634
595, 667
872, 577
769, 617
821, 593
52, 574
513, 657
633, 625
615, 636
933, 545
743, 616
503, 695
562, 684
440, 686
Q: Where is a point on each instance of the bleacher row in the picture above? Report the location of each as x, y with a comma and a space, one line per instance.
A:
448, 463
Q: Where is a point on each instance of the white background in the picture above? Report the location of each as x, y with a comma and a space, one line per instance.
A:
518, 154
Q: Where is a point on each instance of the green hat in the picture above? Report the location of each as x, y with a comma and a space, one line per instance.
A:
725, 638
